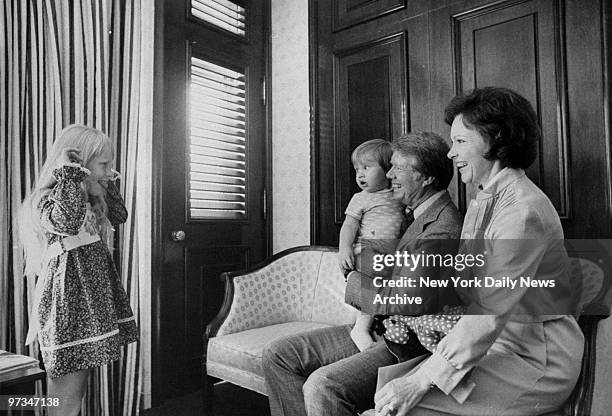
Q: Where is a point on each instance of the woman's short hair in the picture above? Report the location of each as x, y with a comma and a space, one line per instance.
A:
502, 117
376, 149
430, 151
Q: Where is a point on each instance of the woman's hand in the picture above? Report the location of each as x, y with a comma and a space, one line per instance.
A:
346, 259
400, 395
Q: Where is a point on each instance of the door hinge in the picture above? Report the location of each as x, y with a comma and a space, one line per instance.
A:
264, 204
263, 90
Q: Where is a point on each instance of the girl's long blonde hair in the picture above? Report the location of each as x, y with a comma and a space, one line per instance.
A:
91, 143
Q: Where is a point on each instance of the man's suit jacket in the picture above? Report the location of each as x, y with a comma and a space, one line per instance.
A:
435, 231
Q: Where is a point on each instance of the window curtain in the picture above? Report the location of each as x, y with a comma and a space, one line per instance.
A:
87, 62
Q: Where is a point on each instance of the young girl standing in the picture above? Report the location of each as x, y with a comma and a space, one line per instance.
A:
81, 313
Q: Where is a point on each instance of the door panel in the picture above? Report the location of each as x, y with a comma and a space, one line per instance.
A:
486, 55
590, 136
204, 154
370, 79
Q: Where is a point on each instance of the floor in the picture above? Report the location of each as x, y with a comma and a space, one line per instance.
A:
229, 400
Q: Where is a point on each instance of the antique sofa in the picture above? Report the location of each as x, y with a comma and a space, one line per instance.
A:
296, 290
302, 289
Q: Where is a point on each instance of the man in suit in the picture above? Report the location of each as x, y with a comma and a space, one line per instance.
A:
323, 372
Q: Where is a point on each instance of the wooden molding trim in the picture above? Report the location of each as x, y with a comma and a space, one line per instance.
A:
363, 12
157, 240
313, 75
606, 25
269, 159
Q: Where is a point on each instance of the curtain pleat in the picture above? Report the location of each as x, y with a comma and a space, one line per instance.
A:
88, 32
4, 229
19, 94
64, 62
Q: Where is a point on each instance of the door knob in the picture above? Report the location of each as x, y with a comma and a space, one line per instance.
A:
178, 235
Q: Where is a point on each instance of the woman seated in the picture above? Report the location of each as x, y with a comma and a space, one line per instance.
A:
516, 351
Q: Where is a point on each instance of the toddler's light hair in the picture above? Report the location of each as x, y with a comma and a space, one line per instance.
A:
91, 143
378, 150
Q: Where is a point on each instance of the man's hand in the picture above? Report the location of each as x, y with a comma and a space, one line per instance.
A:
400, 395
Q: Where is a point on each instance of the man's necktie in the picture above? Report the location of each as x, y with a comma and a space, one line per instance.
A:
409, 217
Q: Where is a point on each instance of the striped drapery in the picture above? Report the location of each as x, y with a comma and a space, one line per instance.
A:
87, 62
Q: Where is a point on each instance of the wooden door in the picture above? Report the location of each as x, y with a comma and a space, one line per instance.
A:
213, 183
551, 51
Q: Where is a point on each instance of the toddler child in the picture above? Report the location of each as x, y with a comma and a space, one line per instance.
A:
371, 214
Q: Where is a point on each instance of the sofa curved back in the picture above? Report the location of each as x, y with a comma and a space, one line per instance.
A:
299, 284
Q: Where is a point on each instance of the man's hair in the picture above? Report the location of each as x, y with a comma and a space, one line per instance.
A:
376, 149
505, 119
430, 151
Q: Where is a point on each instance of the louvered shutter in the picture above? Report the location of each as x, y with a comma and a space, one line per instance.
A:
221, 13
217, 148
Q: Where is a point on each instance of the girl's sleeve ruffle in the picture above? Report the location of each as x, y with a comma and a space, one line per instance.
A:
117, 213
70, 172
63, 209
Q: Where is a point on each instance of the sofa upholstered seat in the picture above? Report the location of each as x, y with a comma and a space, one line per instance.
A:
237, 357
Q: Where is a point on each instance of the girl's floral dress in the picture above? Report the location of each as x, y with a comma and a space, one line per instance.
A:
84, 314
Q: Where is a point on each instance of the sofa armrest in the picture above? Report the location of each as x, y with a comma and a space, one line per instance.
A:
228, 296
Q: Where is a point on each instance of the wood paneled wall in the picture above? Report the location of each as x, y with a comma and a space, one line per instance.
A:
387, 67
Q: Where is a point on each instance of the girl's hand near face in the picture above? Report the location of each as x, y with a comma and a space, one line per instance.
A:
67, 156
112, 177
93, 187
70, 155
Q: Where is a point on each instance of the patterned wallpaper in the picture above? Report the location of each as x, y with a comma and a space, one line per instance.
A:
290, 125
